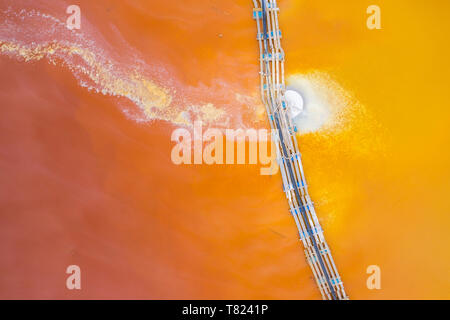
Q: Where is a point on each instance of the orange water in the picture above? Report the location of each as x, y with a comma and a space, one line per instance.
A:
83, 183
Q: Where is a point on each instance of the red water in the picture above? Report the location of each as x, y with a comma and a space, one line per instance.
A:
84, 183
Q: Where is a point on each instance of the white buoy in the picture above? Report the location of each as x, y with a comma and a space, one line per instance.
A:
294, 101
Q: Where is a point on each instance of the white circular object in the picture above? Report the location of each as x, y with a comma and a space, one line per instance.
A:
294, 101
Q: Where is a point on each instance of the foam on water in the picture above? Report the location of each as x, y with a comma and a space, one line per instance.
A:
148, 91
31, 35
326, 104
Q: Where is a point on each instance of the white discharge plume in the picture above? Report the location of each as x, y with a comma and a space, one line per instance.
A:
324, 102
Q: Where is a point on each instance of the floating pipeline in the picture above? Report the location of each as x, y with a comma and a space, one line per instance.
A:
273, 91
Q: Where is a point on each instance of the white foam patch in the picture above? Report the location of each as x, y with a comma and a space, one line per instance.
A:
154, 92
325, 102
